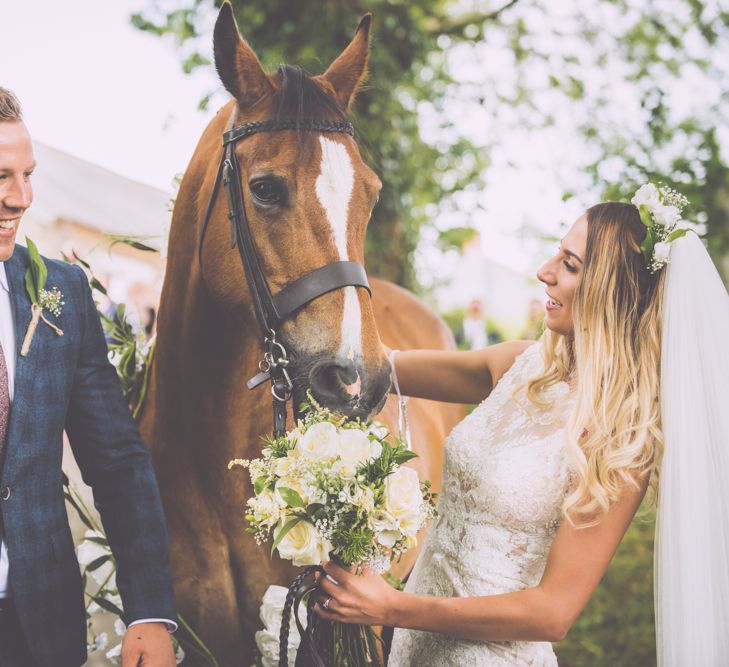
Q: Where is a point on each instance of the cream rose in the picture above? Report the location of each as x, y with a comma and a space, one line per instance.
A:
303, 545
355, 447
647, 195
345, 469
319, 441
403, 498
268, 644
271, 612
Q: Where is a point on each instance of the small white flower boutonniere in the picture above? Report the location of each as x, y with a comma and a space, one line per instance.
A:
41, 299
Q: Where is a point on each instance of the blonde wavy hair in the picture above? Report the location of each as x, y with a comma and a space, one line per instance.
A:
613, 359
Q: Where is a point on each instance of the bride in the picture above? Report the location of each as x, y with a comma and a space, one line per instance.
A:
543, 478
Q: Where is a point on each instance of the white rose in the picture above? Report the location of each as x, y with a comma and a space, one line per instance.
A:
661, 252
354, 446
379, 430
667, 216
345, 469
319, 441
119, 627
304, 546
102, 640
403, 498
647, 195
387, 538
283, 466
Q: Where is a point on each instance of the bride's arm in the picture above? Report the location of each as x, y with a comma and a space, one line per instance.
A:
576, 563
453, 376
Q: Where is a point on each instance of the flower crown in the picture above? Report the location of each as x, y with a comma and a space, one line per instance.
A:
660, 211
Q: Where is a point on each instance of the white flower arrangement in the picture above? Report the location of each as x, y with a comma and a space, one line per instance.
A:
267, 640
660, 211
336, 488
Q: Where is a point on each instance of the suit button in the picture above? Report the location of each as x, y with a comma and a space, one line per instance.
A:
5, 493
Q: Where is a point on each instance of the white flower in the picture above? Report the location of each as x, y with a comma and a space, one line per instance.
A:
114, 655
303, 545
267, 643
387, 538
403, 498
319, 441
345, 469
661, 252
667, 216
265, 507
271, 612
283, 466
354, 446
119, 627
378, 429
179, 653
293, 435
102, 639
647, 195
87, 552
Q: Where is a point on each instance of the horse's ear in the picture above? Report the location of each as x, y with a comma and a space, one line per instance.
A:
350, 68
238, 66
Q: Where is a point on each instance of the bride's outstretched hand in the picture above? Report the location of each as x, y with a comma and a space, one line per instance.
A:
364, 599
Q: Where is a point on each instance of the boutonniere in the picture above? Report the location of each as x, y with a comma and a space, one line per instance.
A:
41, 299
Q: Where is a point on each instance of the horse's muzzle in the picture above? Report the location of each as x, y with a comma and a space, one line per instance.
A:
346, 386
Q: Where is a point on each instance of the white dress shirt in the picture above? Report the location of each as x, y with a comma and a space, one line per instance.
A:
7, 339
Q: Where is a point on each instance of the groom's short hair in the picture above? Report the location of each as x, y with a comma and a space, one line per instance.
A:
9, 106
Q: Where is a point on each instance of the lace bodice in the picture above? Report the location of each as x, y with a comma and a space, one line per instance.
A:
505, 476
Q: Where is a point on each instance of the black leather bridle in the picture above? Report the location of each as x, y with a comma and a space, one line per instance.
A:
272, 310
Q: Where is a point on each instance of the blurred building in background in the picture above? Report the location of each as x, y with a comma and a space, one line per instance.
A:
79, 207
506, 295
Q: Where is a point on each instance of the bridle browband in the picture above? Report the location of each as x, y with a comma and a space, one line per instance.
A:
272, 310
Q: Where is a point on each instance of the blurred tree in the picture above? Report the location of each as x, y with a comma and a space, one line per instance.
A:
407, 65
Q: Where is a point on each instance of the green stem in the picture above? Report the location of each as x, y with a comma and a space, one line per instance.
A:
200, 643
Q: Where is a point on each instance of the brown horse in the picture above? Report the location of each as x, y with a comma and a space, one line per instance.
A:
308, 198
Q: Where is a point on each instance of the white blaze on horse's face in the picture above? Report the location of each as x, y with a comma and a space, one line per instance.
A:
334, 190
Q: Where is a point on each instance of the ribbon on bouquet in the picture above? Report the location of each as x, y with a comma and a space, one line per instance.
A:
315, 647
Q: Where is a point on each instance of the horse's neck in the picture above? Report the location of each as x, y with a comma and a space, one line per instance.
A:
204, 355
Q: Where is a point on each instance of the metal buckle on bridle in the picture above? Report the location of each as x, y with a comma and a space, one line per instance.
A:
276, 361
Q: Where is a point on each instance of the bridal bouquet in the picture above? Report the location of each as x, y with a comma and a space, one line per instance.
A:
334, 488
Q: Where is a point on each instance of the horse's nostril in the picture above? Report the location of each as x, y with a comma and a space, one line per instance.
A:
335, 381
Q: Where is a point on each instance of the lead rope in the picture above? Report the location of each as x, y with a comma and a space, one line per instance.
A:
403, 423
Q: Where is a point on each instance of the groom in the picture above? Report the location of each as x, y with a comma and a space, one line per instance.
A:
66, 382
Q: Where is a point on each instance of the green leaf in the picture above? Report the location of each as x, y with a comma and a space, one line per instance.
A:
95, 284
291, 497
98, 562
677, 234
404, 456
284, 531
38, 269
645, 216
106, 605
260, 484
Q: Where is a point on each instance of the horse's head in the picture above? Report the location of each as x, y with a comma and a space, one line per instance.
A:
308, 196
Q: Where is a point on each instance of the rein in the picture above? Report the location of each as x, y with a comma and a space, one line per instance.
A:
272, 310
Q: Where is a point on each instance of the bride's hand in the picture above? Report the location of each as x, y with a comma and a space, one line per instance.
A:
364, 599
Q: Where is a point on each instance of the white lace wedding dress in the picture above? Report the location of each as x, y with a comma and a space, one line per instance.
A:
505, 476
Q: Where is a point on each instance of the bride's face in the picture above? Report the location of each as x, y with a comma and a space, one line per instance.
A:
561, 275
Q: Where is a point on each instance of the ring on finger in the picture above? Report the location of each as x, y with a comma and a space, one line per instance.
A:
326, 603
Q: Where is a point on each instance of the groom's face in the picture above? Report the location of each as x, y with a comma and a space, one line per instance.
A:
16, 194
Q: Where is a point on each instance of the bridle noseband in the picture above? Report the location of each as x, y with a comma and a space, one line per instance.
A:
272, 310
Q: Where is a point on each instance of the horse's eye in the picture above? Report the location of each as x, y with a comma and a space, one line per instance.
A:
266, 191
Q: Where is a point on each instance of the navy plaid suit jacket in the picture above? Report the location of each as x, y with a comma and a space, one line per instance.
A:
66, 382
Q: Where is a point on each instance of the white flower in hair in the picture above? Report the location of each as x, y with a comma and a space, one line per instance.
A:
660, 212
647, 195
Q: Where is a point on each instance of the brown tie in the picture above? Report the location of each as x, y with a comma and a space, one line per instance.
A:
4, 403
